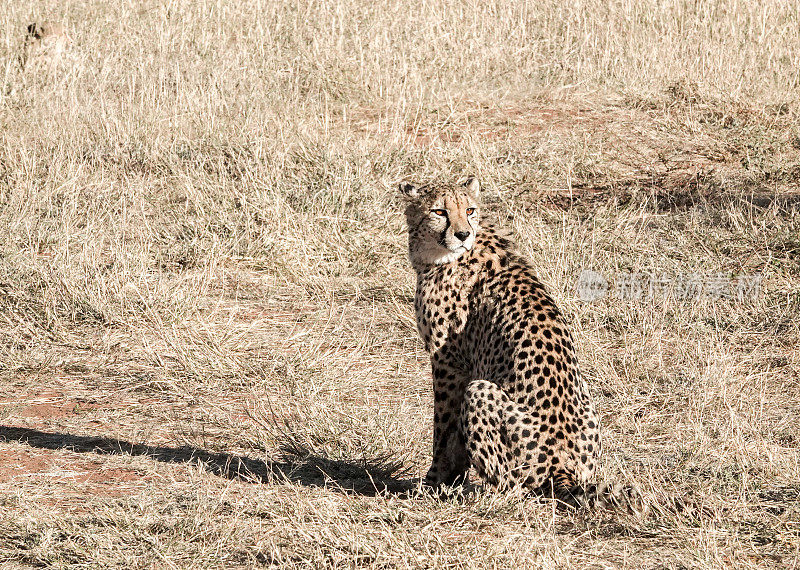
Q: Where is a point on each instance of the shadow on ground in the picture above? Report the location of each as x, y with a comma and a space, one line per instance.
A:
367, 476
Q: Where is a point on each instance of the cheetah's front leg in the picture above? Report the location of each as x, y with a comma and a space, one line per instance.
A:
450, 458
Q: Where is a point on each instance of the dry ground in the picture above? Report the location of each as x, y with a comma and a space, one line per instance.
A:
207, 349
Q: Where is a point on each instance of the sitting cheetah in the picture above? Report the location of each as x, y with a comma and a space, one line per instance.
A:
509, 398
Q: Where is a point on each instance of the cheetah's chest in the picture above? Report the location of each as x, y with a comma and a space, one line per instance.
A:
442, 307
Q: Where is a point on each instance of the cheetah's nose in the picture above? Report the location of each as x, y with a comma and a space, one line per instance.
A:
461, 235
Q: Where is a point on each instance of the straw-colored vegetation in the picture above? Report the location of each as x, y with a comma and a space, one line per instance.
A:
208, 355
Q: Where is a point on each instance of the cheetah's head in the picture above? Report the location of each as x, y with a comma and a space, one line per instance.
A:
442, 221
45, 42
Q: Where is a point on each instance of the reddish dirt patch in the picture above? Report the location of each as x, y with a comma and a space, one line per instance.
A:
75, 437
15, 463
485, 121
19, 464
53, 407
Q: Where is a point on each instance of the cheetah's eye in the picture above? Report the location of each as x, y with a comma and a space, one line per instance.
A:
442, 213
470, 211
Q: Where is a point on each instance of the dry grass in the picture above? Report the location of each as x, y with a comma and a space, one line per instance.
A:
207, 349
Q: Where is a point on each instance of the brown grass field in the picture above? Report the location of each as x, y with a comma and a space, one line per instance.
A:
208, 356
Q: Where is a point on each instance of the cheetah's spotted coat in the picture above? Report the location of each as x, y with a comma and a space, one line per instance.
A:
509, 398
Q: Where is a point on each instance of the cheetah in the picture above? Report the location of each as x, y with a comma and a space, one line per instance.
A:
45, 42
509, 399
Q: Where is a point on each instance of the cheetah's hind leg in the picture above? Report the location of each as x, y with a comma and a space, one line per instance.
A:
502, 437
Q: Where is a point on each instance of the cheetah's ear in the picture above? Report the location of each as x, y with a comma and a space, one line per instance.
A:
409, 191
473, 186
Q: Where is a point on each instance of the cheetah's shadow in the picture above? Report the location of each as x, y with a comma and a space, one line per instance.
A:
295, 463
